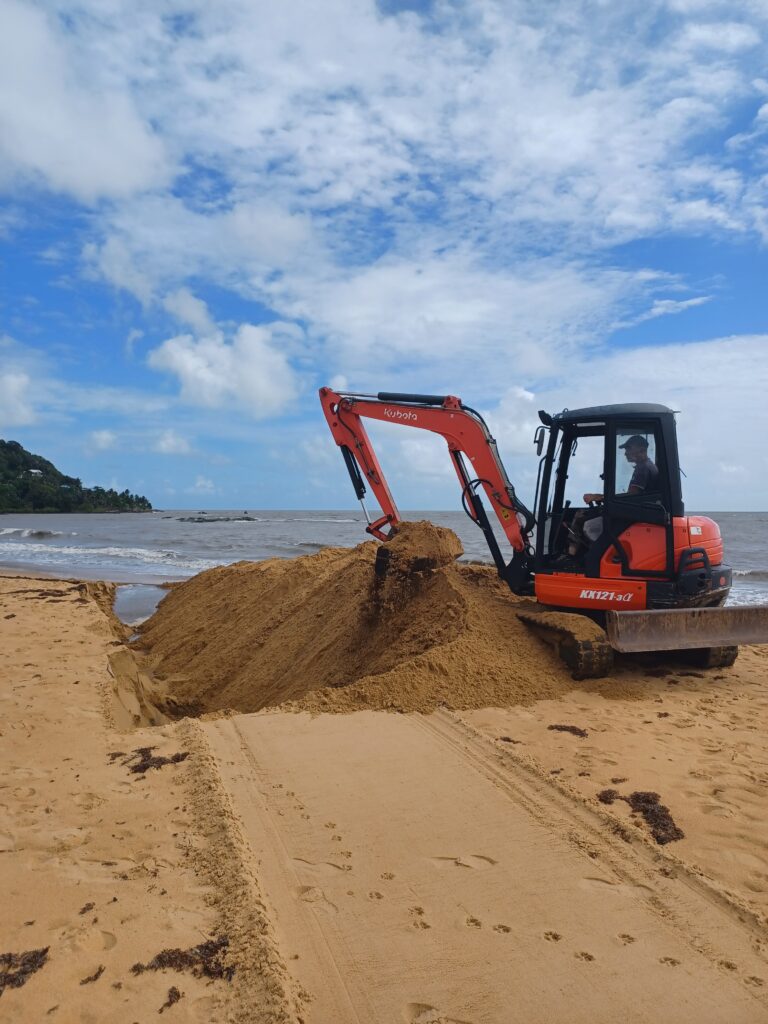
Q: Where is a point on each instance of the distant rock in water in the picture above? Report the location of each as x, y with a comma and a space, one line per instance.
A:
218, 519
30, 483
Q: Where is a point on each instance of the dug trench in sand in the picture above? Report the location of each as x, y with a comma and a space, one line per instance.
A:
398, 627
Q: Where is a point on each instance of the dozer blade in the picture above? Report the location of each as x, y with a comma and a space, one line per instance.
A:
687, 628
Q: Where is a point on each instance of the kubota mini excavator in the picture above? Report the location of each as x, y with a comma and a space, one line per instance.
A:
653, 577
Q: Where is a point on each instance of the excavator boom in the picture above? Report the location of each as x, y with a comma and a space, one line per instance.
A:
469, 441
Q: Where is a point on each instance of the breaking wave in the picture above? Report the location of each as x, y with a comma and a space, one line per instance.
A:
9, 531
103, 556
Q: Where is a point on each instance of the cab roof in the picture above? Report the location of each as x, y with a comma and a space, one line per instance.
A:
606, 412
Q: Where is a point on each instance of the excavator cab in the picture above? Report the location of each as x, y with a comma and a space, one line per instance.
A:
592, 450
636, 529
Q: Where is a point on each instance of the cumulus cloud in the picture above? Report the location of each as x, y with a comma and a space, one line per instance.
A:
63, 121
171, 443
202, 485
102, 440
250, 370
16, 399
190, 310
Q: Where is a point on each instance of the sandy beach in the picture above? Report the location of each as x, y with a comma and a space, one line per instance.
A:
272, 807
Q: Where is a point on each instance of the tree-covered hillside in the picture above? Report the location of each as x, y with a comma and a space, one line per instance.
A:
30, 483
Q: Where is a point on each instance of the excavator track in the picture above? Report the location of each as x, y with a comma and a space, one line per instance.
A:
713, 657
579, 642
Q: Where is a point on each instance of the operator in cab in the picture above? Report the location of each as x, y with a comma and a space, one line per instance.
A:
645, 480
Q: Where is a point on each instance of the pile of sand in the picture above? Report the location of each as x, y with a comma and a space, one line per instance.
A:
398, 626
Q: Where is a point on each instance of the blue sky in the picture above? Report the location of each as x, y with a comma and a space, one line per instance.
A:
210, 210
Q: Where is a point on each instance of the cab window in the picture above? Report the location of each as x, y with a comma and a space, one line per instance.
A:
637, 463
585, 468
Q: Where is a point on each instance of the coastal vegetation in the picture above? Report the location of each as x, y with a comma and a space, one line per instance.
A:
30, 483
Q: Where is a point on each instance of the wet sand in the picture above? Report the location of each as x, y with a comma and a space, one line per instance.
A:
454, 867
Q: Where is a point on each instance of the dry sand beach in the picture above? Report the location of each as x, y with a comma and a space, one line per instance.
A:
308, 794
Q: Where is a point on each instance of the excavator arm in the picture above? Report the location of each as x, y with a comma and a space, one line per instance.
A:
469, 441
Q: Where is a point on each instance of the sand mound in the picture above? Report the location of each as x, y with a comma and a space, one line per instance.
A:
422, 545
398, 626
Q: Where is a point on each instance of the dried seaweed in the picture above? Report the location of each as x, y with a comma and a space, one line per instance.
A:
658, 818
173, 997
607, 796
17, 968
574, 729
144, 759
204, 961
95, 976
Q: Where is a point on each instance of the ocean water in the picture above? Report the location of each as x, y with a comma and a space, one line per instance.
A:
156, 547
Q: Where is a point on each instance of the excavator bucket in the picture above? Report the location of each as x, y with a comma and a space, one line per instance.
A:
687, 628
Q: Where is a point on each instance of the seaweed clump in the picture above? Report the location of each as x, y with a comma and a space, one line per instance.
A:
204, 961
574, 729
17, 968
657, 816
144, 759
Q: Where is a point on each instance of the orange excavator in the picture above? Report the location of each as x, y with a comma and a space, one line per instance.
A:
650, 576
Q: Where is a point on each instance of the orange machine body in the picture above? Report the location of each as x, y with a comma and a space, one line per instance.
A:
645, 546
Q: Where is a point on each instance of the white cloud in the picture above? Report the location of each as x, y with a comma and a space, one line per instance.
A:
133, 336
63, 120
250, 370
202, 485
116, 263
16, 399
190, 310
665, 307
730, 36
102, 440
170, 443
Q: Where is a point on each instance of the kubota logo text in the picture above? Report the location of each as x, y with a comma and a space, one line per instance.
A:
604, 595
400, 414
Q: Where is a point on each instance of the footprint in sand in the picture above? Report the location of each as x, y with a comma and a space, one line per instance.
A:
584, 956
503, 928
552, 936
470, 860
312, 894
417, 913
626, 939
473, 922
423, 1013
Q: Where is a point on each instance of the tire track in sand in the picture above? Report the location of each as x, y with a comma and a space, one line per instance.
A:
414, 876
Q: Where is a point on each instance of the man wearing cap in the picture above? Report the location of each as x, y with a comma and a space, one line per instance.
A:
646, 475
645, 479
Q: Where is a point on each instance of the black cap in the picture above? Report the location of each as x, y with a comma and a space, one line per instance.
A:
636, 439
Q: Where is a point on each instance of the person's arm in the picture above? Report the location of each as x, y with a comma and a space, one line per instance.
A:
589, 498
